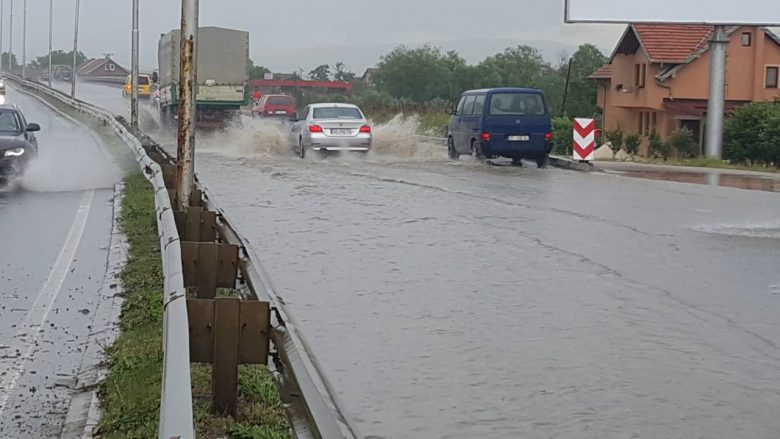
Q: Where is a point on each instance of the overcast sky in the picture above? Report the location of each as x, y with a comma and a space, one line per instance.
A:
280, 30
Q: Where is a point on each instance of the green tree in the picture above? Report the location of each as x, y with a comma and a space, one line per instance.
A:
632, 144
658, 148
752, 134
342, 74
14, 62
615, 139
421, 74
58, 58
581, 100
681, 141
321, 73
256, 72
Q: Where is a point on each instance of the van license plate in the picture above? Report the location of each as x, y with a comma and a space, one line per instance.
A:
519, 138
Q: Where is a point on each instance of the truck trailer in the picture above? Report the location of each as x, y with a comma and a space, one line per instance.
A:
222, 73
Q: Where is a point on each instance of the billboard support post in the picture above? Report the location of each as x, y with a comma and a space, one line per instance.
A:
716, 102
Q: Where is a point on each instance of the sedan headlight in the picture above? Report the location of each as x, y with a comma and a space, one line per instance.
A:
2, 84
16, 152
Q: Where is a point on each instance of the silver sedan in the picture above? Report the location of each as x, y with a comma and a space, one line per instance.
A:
331, 127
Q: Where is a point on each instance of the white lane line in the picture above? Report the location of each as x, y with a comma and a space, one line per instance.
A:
32, 327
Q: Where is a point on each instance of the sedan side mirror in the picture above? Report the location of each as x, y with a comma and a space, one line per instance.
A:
33, 127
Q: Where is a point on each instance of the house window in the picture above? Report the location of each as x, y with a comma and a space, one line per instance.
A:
771, 76
641, 122
746, 38
112, 67
640, 73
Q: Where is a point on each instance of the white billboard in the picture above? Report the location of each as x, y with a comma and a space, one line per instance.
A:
747, 12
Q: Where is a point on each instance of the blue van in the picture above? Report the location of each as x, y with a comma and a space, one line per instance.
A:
501, 122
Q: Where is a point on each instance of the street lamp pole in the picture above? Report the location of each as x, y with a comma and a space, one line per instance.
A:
188, 87
2, 18
134, 93
51, 26
24, 41
75, 51
11, 41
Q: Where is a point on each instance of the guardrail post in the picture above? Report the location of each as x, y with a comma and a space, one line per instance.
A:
225, 370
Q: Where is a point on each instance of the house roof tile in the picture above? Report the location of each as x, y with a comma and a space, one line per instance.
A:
673, 44
604, 72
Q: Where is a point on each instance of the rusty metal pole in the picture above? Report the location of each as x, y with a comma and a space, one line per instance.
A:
188, 87
134, 68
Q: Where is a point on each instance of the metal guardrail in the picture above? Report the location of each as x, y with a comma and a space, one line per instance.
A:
176, 419
314, 407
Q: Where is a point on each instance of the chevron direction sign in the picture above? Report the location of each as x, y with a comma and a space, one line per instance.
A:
584, 147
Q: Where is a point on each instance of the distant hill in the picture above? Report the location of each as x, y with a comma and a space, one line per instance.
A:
358, 58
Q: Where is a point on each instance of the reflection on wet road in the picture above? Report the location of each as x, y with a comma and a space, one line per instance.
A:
55, 225
455, 300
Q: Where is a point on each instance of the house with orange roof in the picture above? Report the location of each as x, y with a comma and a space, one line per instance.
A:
657, 78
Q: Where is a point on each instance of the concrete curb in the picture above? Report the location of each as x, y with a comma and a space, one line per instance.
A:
560, 162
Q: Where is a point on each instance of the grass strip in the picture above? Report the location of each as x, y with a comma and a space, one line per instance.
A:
130, 394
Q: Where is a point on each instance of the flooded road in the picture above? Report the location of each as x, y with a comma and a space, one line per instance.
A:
56, 226
457, 300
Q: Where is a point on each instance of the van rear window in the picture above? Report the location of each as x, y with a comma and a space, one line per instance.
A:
143, 80
517, 104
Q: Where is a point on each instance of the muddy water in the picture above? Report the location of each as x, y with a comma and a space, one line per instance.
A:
458, 300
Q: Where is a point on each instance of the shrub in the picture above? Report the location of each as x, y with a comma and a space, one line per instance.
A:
632, 144
658, 148
563, 136
681, 142
615, 139
752, 134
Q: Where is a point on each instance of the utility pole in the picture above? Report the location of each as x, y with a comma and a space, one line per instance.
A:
11, 41
24, 41
134, 93
716, 103
188, 87
2, 18
75, 51
51, 26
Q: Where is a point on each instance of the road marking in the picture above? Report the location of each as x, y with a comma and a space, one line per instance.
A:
32, 327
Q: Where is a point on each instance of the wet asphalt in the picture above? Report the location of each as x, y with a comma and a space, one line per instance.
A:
56, 226
457, 300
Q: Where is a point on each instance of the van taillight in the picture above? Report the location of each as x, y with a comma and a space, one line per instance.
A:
485, 137
548, 137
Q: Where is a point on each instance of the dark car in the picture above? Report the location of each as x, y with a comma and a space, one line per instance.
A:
502, 122
18, 145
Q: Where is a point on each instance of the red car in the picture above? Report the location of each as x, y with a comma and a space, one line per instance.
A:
275, 106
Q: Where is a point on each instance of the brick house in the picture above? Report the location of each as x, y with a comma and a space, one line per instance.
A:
658, 77
102, 70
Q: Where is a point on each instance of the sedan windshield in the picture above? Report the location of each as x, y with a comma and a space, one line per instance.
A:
517, 104
337, 113
9, 122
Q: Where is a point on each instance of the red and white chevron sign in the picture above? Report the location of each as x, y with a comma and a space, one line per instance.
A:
584, 147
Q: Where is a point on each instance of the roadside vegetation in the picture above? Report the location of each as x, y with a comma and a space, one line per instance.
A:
130, 395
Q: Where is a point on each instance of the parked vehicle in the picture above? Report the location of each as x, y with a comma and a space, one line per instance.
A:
2, 86
275, 106
222, 75
501, 122
144, 86
18, 144
330, 127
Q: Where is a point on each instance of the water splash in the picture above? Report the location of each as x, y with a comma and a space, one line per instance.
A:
397, 140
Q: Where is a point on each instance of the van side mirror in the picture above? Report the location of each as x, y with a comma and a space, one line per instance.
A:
451, 112
33, 127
